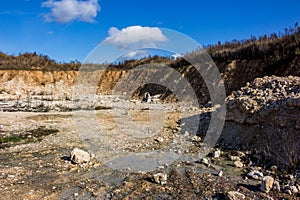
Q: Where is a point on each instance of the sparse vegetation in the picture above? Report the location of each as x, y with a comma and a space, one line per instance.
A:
272, 48
17, 138
33, 61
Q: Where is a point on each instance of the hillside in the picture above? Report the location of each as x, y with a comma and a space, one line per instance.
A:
238, 61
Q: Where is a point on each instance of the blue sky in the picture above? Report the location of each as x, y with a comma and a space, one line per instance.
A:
69, 29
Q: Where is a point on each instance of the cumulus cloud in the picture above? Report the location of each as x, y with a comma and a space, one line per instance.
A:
135, 37
65, 11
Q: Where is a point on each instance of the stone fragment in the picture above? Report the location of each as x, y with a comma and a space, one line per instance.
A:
196, 138
160, 178
276, 186
216, 154
255, 174
267, 184
79, 156
159, 139
234, 195
204, 161
235, 158
220, 173
294, 189
238, 164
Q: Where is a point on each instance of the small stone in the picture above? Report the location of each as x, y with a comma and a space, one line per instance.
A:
216, 154
204, 161
276, 186
288, 191
274, 168
160, 178
220, 173
240, 154
235, 158
196, 138
79, 156
238, 164
294, 189
290, 176
159, 139
234, 195
267, 184
255, 174
186, 133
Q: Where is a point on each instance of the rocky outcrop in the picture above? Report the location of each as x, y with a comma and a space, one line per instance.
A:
264, 116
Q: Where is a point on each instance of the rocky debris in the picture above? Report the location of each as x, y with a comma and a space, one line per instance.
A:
267, 184
262, 93
261, 113
234, 195
160, 178
79, 156
66, 179
255, 174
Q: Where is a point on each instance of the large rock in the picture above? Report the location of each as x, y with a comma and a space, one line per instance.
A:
79, 156
267, 184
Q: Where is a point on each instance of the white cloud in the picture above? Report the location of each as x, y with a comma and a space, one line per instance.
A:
135, 54
65, 11
135, 37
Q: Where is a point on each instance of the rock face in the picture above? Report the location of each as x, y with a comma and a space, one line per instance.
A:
267, 184
263, 116
79, 156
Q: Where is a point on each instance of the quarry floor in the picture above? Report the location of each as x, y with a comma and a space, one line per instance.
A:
39, 167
